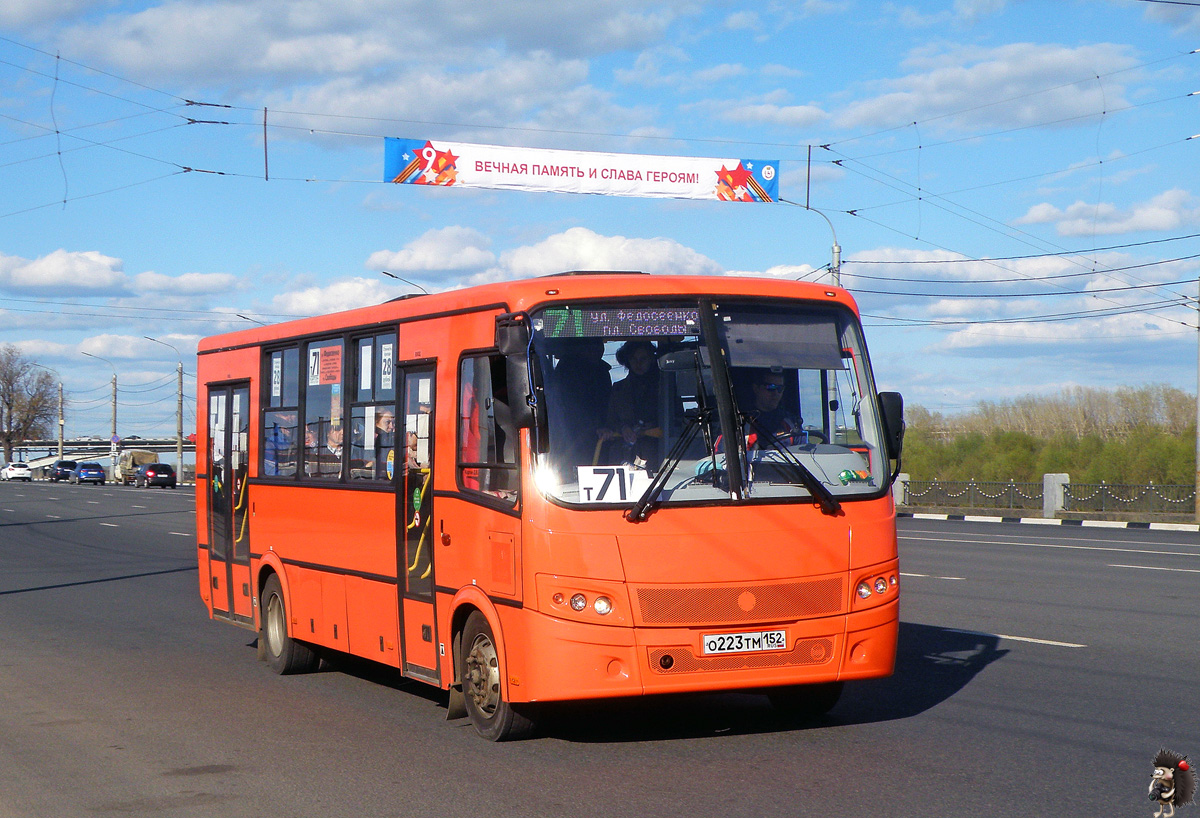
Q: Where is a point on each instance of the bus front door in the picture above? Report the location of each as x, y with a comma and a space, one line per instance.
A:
414, 523
228, 530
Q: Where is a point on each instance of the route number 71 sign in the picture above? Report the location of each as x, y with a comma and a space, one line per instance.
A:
611, 484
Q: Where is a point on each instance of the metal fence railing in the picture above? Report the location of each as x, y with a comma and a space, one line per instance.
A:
973, 494
1064, 496
1156, 499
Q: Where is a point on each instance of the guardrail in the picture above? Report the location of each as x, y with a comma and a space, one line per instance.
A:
1056, 493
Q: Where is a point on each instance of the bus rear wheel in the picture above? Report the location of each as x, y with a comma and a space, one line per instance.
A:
284, 654
493, 717
804, 702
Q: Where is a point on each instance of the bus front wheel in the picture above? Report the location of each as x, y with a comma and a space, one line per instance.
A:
493, 717
808, 701
284, 654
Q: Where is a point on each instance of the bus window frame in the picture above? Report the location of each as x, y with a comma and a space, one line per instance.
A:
265, 407
836, 308
472, 494
354, 340
349, 339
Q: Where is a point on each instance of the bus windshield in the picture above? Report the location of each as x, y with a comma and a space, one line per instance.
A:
643, 402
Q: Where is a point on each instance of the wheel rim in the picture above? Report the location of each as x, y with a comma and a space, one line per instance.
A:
276, 631
481, 682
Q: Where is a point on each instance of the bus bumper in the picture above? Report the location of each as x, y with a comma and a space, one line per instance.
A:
570, 660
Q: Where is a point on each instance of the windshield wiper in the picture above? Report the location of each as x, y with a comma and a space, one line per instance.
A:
640, 510
823, 496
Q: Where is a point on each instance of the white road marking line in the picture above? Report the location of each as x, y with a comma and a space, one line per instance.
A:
1157, 568
111, 525
1050, 642
966, 537
178, 534
54, 517
1054, 545
929, 576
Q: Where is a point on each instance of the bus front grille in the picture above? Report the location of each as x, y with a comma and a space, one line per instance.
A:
736, 604
683, 660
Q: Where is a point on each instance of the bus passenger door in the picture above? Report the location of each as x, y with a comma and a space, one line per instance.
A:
414, 522
228, 526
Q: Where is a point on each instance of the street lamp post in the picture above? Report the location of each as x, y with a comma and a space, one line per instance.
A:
113, 439
178, 408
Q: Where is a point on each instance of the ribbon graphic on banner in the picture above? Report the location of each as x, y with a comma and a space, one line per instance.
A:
459, 164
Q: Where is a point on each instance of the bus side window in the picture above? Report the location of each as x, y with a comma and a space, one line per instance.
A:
487, 442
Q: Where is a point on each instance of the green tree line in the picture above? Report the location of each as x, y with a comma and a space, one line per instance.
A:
1126, 435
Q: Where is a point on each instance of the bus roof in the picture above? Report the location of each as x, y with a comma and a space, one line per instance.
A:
527, 294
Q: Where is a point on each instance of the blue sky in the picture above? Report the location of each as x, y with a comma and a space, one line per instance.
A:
1012, 183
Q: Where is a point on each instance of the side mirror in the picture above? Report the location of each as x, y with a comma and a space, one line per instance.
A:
513, 333
525, 415
891, 410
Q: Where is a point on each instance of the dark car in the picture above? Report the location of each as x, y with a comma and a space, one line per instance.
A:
61, 470
87, 473
154, 474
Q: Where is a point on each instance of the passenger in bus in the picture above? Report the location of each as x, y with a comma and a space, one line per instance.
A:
768, 410
279, 445
329, 457
578, 402
634, 428
385, 441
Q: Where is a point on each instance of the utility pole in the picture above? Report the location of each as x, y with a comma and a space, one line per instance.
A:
113, 439
179, 427
1198, 400
178, 408
61, 422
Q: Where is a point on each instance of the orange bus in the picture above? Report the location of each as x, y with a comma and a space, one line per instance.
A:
578, 486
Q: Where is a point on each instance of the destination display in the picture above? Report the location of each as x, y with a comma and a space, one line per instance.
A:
618, 322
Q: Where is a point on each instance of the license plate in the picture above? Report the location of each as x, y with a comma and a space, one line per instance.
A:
743, 642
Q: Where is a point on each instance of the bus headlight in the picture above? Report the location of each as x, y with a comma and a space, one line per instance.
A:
864, 590
578, 602
602, 605
881, 586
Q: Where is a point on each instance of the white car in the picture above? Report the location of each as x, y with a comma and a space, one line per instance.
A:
17, 471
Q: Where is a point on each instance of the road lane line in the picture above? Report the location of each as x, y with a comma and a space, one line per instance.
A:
1001, 538
1157, 568
178, 534
1050, 642
1053, 545
111, 525
929, 576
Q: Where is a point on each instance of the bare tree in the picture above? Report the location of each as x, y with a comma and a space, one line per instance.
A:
28, 400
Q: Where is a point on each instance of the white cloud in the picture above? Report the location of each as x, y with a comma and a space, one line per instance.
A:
447, 249
62, 272
951, 82
19, 13
186, 284
581, 249
743, 21
346, 294
1169, 210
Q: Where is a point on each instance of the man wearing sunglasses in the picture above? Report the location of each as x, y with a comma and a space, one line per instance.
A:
769, 410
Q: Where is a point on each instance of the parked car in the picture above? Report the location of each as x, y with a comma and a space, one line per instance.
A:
154, 474
17, 471
88, 473
61, 470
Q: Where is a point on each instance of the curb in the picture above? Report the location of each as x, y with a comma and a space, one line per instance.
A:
973, 518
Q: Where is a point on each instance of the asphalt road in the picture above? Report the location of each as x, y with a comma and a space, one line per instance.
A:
1040, 670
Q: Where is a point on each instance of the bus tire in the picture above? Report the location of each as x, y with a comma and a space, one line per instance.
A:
284, 655
493, 717
805, 702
